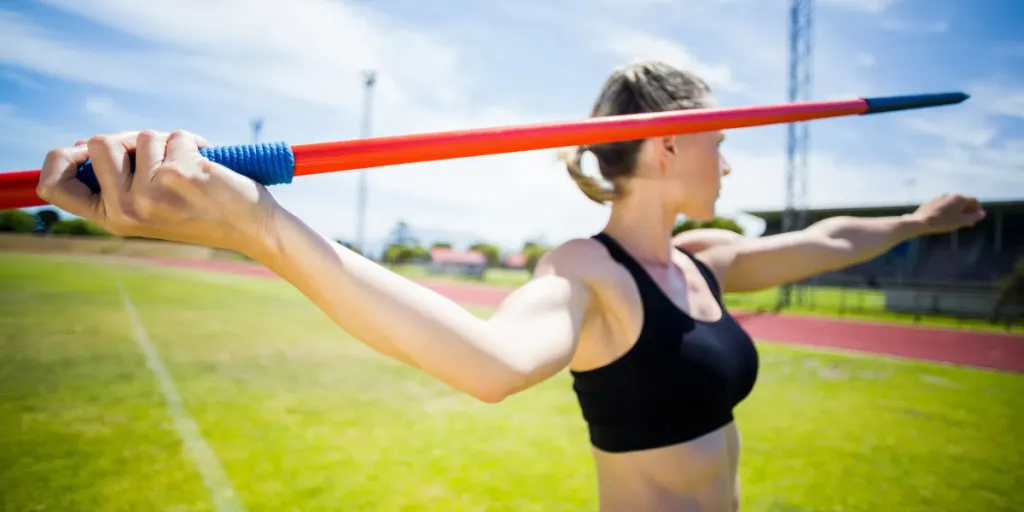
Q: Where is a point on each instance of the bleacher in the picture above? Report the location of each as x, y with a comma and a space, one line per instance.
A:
971, 258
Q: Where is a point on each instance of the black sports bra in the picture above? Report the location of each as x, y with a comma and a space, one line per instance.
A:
680, 380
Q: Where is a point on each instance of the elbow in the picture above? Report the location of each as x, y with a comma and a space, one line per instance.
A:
490, 396
498, 387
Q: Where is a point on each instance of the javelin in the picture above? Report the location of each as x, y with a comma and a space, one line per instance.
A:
277, 163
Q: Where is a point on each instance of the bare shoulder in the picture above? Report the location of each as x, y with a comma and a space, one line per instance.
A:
715, 248
584, 259
699, 240
567, 278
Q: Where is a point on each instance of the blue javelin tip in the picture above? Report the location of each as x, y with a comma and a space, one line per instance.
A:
894, 103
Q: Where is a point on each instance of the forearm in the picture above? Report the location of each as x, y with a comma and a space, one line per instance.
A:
388, 312
853, 240
826, 246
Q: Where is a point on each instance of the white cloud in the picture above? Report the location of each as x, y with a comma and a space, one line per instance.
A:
630, 45
101, 106
21, 133
972, 151
933, 27
308, 59
865, 6
987, 168
19, 79
865, 59
999, 98
956, 128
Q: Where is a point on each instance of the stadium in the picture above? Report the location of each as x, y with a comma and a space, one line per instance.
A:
144, 375
965, 274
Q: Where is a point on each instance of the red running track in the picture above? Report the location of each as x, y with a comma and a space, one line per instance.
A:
996, 351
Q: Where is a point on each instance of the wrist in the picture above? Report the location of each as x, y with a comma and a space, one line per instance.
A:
910, 225
260, 239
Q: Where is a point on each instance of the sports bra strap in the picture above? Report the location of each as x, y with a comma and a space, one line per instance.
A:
643, 278
618, 253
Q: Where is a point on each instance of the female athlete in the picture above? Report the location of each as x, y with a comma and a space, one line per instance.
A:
636, 317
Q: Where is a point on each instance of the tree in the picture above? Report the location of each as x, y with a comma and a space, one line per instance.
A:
399, 254
82, 227
402, 234
417, 253
491, 252
46, 218
533, 252
17, 221
1010, 291
715, 223
441, 245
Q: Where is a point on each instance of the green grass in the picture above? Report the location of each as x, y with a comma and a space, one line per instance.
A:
506, 277
305, 418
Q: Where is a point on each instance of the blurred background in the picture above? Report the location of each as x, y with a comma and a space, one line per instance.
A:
143, 375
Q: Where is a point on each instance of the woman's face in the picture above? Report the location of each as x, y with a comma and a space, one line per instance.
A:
695, 166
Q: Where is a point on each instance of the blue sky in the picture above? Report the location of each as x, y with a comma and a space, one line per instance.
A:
73, 68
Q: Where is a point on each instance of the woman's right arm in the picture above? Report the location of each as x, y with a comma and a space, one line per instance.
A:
173, 193
530, 337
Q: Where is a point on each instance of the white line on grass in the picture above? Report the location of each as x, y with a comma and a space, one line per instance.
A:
206, 461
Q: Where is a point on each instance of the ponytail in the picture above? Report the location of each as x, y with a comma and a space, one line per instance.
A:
593, 188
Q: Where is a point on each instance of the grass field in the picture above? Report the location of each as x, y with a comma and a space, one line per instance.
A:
301, 417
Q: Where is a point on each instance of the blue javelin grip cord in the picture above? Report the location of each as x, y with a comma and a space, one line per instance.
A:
268, 163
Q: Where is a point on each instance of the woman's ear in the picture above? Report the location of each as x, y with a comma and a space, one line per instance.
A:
669, 143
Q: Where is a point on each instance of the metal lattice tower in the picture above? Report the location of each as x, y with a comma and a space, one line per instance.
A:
796, 215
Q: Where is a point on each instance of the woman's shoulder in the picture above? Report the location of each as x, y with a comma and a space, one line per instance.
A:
696, 241
580, 258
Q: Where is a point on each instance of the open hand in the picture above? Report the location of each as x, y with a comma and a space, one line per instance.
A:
173, 194
949, 212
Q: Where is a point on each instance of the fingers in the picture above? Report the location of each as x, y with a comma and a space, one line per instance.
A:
82, 142
182, 158
968, 208
111, 162
201, 141
183, 165
59, 184
150, 150
183, 148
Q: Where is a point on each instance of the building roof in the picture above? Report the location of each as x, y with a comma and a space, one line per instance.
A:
885, 210
516, 260
445, 255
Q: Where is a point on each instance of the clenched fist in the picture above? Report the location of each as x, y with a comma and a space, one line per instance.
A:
173, 194
949, 212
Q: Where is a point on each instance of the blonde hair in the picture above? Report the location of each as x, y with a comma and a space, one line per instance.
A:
641, 87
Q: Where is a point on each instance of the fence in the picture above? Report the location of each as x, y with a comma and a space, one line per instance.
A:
935, 302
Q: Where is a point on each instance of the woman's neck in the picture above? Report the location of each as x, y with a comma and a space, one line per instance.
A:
643, 224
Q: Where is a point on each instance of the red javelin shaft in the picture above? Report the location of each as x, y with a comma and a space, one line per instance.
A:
17, 189
363, 153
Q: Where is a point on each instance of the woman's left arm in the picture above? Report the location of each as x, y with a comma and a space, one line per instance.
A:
832, 244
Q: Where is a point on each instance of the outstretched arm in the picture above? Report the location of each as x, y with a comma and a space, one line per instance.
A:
832, 244
174, 193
